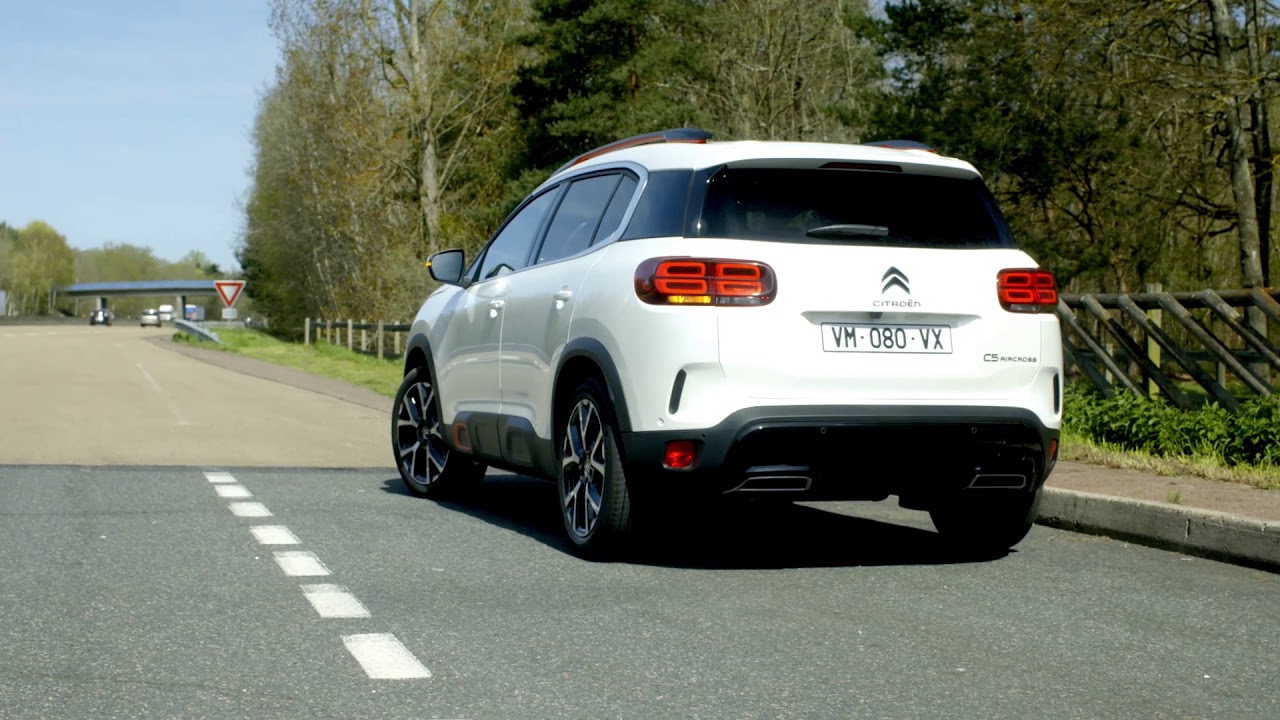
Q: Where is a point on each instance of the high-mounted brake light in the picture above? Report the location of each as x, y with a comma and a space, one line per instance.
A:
699, 281
1027, 290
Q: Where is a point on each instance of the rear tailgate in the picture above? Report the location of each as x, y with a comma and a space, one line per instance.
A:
858, 323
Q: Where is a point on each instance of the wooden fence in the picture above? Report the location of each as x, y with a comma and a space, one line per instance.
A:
1156, 343
1151, 344
373, 338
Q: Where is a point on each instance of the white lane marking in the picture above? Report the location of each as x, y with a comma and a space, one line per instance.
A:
219, 477
300, 563
232, 491
333, 601
249, 509
173, 408
274, 535
383, 657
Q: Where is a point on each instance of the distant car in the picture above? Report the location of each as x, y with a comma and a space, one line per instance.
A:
100, 317
149, 317
166, 313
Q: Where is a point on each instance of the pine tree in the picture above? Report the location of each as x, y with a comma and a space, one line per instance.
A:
606, 69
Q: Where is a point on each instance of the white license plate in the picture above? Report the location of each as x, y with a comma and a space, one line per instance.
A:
886, 338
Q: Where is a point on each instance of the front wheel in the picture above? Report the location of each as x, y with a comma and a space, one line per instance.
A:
985, 522
595, 503
427, 465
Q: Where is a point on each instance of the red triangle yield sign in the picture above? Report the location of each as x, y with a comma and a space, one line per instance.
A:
229, 290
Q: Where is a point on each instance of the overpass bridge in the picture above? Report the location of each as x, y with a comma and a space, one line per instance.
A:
179, 289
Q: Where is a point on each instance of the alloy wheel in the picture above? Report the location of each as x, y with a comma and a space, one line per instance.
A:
419, 439
583, 469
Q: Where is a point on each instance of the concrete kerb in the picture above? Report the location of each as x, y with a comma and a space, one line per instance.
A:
1204, 533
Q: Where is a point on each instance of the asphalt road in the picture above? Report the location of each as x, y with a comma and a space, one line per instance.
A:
105, 396
144, 591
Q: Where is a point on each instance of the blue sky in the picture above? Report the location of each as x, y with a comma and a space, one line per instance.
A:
125, 121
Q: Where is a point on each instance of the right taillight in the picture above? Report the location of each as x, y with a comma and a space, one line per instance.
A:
701, 281
1027, 290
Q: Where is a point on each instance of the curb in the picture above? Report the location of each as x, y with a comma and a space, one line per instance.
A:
1204, 533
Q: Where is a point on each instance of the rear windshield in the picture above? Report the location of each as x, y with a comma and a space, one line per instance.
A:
851, 207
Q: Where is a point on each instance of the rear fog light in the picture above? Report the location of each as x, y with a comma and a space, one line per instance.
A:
679, 455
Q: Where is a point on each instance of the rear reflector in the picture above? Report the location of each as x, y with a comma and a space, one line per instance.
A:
1027, 290
679, 454
697, 281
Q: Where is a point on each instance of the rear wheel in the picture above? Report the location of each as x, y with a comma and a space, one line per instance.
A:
427, 465
595, 504
986, 521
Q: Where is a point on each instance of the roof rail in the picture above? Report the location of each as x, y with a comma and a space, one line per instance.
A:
674, 135
902, 145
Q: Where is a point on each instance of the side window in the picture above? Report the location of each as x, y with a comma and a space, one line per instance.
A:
576, 219
617, 208
509, 251
661, 210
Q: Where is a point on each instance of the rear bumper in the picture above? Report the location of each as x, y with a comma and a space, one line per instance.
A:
852, 452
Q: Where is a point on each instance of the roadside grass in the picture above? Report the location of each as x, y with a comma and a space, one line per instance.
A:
383, 376
339, 363
1078, 448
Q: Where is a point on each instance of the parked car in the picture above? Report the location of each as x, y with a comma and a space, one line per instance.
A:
667, 321
101, 317
149, 318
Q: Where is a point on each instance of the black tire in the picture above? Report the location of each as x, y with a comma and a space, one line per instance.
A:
986, 522
428, 467
596, 506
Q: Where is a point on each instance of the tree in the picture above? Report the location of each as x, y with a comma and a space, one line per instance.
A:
787, 69
33, 262
604, 70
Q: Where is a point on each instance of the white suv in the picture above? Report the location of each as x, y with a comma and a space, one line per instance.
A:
668, 318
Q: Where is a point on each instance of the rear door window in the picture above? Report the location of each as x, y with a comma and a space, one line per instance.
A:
575, 221
852, 206
617, 208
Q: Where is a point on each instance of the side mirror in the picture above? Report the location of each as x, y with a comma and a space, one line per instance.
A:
447, 266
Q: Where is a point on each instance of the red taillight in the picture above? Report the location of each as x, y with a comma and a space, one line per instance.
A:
697, 281
1027, 291
679, 454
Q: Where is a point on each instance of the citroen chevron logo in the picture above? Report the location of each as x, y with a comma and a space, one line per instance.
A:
893, 277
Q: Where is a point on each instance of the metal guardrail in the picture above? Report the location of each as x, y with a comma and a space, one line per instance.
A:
193, 329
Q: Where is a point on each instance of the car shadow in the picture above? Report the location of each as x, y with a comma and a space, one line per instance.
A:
729, 536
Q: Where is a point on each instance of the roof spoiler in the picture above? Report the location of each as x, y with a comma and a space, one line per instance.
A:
674, 135
902, 145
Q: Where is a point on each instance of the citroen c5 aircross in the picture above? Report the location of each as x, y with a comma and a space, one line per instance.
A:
670, 320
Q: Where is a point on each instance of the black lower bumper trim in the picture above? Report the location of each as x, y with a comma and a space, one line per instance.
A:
853, 452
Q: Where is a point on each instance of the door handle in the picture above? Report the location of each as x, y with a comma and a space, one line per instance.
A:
497, 304
563, 295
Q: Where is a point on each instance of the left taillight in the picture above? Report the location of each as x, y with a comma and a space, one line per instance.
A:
705, 281
1027, 290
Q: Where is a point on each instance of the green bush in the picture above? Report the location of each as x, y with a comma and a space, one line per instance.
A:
1250, 436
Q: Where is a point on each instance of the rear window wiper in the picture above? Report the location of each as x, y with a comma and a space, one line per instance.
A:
848, 231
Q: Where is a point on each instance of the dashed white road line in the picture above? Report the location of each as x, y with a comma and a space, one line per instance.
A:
274, 535
232, 491
334, 601
219, 477
300, 563
382, 657
173, 408
249, 509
